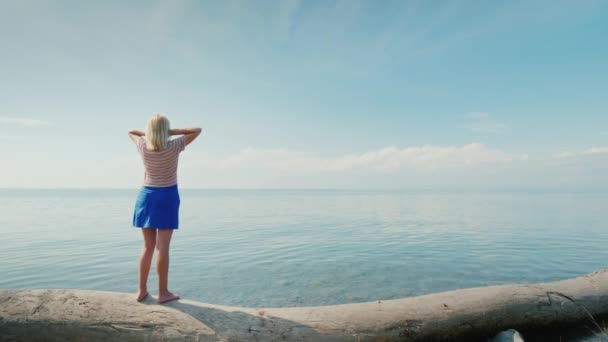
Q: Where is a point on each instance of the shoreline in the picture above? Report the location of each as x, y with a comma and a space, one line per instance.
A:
466, 313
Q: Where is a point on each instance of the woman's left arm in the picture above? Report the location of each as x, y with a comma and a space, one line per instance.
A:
176, 131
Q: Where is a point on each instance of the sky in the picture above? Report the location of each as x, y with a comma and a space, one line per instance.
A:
308, 94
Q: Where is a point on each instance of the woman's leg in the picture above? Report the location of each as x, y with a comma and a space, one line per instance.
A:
145, 260
163, 241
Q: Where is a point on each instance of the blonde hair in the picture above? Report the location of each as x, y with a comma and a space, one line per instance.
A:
157, 132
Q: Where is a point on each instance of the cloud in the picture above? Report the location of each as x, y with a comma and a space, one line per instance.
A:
472, 166
389, 167
596, 150
21, 121
482, 122
384, 160
565, 154
587, 152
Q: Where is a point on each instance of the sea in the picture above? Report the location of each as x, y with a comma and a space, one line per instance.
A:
283, 248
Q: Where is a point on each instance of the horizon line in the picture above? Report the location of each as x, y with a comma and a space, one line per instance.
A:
446, 188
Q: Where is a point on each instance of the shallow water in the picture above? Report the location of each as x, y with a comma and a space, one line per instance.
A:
275, 248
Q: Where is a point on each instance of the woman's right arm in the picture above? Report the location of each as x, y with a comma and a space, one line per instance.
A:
190, 133
134, 134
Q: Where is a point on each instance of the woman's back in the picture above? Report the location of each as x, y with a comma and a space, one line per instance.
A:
160, 167
156, 209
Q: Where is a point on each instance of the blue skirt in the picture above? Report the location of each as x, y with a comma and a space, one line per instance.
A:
157, 207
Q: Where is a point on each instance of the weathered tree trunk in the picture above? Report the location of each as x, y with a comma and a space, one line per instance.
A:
91, 315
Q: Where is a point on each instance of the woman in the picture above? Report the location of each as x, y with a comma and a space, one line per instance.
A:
157, 206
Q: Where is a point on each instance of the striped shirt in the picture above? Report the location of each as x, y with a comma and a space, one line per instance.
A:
160, 167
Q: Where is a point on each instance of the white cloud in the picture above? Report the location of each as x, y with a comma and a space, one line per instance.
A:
596, 150
604, 132
21, 121
587, 152
469, 166
565, 154
385, 160
482, 122
388, 167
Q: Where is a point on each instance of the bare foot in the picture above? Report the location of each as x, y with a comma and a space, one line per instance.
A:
166, 297
141, 295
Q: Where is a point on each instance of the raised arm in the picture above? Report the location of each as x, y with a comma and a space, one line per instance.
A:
134, 134
190, 133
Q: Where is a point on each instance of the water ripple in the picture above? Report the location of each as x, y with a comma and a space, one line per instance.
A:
290, 248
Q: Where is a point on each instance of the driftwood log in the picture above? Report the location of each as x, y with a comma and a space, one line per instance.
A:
76, 315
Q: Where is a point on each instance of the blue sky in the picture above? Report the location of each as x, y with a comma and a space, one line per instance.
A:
309, 93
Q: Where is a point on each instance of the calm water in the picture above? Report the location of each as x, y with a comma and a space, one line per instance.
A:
298, 247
